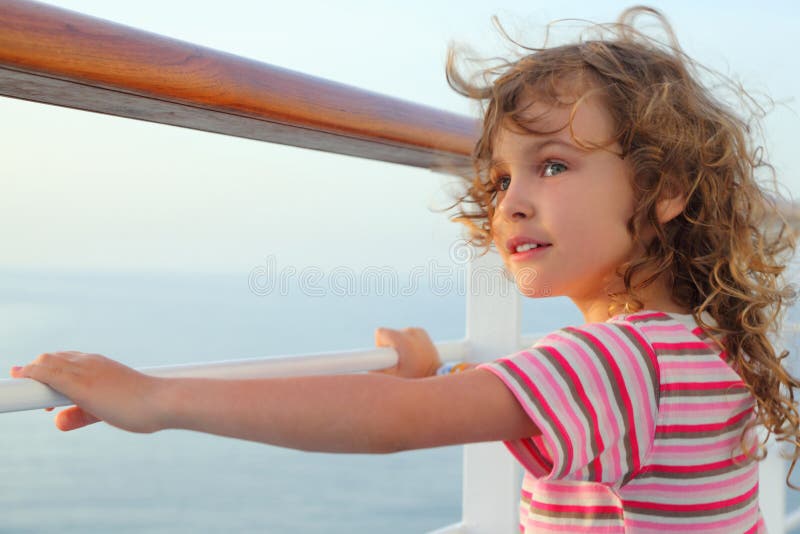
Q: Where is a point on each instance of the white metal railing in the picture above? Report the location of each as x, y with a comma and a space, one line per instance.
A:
25, 394
491, 479
772, 490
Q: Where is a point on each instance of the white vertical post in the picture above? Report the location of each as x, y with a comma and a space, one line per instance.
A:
772, 490
491, 475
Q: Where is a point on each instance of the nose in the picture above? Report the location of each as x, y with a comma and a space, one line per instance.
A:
516, 203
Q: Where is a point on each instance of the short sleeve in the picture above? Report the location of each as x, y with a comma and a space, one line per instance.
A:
593, 393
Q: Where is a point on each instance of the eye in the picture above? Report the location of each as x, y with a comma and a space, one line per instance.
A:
503, 183
552, 168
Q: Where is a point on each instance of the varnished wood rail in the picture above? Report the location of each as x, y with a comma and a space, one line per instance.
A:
56, 56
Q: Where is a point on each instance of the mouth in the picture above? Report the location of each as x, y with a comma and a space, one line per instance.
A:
520, 246
525, 252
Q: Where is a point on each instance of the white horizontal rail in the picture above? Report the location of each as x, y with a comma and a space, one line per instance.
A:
24, 394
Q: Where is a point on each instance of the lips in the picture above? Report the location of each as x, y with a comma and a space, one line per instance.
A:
516, 241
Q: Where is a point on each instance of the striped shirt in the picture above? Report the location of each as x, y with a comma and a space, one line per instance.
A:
641, 420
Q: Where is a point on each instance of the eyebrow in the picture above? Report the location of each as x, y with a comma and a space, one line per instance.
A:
538, 146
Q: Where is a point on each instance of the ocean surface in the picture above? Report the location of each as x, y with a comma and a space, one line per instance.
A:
101, 480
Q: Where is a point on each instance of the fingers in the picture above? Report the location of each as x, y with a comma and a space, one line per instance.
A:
51, 367
47, 368
387, 337
384, 336
418, 334
101, 389
63, 371
74, 417
45, 360
416, 354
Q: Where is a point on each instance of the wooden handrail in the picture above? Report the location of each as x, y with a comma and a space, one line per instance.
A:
56, 56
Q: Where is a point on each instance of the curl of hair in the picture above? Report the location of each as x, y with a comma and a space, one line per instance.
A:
726, 253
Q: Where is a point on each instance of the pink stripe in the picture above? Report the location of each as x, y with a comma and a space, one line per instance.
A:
567, 408
513, 446
689, 448
583, 488
644, 392
683, 386
535, 417
759, 526
693, 527
582, 398
541, 449
694, 468
645, 316
668, 407
695, 507
645, 395
662, 328
542, 526
683, 364
634, 441
576, 508
611, 418
657, 368
707, 427
689, 345
682, 487
540, 460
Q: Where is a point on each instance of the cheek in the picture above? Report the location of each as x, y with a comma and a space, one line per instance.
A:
596, 236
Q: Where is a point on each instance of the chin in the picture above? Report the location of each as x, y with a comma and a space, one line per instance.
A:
538, 291
529, 283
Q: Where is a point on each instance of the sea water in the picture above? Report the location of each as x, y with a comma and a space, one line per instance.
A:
101, 480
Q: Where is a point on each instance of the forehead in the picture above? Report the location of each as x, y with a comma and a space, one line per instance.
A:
582, 121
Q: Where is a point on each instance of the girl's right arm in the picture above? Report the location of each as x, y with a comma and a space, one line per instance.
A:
369, 412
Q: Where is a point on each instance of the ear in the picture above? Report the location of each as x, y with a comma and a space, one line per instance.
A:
669, 208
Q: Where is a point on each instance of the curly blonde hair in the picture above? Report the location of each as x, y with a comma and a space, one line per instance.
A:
726, 252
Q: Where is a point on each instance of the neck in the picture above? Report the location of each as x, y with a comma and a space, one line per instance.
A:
655, 297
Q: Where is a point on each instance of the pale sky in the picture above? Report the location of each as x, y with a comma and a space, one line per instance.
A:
84, 191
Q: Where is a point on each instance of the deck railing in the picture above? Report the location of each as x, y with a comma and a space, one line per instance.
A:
20, 395
59, 57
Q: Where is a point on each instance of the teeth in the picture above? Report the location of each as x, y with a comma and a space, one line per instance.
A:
526, 247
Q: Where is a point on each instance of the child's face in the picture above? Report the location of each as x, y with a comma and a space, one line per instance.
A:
575, 201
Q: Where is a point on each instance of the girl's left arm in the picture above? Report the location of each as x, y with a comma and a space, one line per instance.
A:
364, 413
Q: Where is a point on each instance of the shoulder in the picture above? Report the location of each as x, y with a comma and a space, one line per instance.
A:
616, 351
619, 338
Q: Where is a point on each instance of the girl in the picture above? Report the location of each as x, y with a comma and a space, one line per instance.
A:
607, 173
